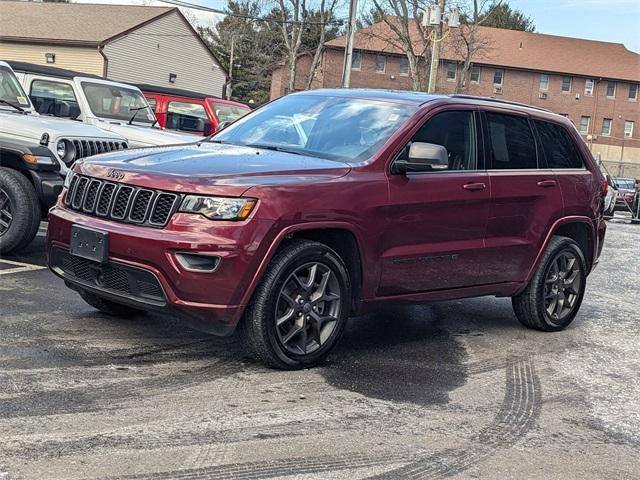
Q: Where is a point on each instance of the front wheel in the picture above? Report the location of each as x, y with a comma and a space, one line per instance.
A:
19, 211
553, 297
300, 308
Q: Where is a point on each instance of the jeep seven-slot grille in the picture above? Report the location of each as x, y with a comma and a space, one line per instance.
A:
87, 148
122, 203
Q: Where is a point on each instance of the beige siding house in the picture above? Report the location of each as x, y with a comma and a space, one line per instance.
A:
131, 44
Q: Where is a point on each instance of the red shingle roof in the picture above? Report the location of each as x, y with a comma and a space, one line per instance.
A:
519, 50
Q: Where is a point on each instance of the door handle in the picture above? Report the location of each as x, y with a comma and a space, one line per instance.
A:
474, 186
547, 183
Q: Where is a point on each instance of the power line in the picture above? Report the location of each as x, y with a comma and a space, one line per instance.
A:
180, 3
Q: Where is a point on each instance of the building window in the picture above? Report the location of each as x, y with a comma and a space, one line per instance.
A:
404, 66
475, 74
628, 129
498, 77
452, 69
611, 89
544, 81
633, 92
606, 126
566, 84
381, 63
584, 124
588, 86
356, 61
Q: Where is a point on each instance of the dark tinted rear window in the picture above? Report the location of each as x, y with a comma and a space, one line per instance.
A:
511, 144
558, 147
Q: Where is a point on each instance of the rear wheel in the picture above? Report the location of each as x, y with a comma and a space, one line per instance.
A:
553, 297
19, 211
300, 308
108, 307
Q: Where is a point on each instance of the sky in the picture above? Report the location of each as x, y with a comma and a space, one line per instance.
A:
606, 20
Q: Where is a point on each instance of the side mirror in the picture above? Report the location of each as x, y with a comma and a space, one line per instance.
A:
423, 157
222, 126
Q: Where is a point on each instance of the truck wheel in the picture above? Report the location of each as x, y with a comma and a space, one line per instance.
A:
108, 307
19, 211
300, 308
553, 297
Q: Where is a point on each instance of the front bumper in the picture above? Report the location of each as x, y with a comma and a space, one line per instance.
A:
209, 301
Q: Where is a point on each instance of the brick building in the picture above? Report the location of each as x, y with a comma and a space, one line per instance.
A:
595, 84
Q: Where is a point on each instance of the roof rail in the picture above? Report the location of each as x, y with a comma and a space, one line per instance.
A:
498, 100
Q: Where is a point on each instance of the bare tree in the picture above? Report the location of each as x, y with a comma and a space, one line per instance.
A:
292, 26
325, 13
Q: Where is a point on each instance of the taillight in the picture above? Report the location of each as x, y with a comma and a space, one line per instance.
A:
604, 187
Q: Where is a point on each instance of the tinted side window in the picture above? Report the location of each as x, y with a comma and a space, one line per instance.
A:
455, 131
54, 98
557, 145
511, 143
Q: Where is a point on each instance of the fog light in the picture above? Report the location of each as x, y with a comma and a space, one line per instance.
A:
194, 262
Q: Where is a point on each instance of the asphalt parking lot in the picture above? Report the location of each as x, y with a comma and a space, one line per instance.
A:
454, 389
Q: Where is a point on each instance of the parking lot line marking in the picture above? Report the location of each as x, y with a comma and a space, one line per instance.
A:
18, 267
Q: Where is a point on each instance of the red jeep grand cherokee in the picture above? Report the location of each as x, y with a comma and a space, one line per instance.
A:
326, 203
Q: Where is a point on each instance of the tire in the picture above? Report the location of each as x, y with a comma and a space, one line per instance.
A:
611, 211
283, 326
108, 307
531, 306
19, 211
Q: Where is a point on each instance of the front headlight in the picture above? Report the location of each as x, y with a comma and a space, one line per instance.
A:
61, 149
68, 178
218, 208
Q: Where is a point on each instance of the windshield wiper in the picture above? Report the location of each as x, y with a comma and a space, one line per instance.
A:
4, 102
136, 110
279, 148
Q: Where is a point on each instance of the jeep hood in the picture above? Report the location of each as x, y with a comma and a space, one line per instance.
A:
210, 168
143, 136
33, 126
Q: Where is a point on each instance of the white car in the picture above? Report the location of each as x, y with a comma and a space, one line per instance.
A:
113, 106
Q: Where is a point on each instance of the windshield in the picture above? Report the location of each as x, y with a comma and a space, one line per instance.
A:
119, 103
229, 113
625, 183
334, 128
10, 90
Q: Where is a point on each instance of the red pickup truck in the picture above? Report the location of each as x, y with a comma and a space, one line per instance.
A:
191, 112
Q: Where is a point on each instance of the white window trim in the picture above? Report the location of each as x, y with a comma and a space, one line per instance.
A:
593, 87
633, 124
399, 65
615, 89
586, 130
607, 133
455, 72
501, 78
471, 73
357, 69
633, 99
566, 92
546, 89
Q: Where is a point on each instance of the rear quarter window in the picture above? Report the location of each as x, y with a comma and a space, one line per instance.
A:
559, 148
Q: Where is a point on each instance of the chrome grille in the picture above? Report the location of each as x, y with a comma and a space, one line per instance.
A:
122, 203
87, 148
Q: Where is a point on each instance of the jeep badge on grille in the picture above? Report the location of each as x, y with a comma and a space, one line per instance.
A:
115, 174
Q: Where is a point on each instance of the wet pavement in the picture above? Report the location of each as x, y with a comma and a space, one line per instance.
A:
453, 389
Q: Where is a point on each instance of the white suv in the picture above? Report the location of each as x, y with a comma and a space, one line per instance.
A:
112, 106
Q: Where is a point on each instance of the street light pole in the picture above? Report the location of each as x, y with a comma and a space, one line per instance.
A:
348, 51
231, 59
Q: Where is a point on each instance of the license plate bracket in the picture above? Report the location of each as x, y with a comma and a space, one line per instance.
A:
89, 244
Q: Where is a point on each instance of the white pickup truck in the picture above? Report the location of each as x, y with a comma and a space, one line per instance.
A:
116, 107
36, 152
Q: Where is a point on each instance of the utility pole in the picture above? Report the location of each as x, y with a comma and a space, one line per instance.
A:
231, 59
435, 51
348, 51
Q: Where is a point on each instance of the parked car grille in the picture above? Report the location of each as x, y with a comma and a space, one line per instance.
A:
112, 277
122, 203
86, 148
